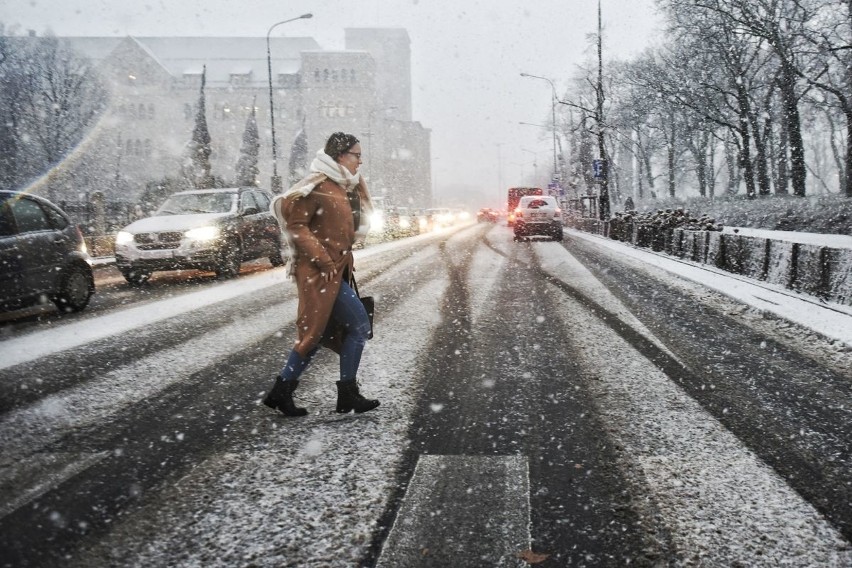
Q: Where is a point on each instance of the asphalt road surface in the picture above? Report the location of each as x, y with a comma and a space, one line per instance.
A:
555, 404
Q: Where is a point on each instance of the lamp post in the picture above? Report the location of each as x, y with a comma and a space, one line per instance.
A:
553, 118
370, 139
276, 180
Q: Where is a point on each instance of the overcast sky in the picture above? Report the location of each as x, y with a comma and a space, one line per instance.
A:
467, 56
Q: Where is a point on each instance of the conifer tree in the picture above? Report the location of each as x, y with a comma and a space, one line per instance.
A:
299, 155
247, 172
197, 170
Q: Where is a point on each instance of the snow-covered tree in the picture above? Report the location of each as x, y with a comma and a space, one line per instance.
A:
197, 168
49, 98
299, 156
246, 170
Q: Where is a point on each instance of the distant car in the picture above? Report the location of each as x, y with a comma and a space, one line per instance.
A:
401, 222
538, 215
439, 217
43, 255
205, 229
487, 215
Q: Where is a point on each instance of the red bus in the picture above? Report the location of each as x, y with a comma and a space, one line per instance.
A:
515, 194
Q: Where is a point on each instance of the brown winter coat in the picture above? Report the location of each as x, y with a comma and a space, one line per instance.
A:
322, 232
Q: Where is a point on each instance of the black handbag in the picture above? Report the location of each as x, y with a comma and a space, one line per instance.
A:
367, 301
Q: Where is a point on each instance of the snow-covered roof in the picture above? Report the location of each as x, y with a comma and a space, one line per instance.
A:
223, 56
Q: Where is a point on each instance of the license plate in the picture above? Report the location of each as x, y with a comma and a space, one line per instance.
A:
538, 216
165, 253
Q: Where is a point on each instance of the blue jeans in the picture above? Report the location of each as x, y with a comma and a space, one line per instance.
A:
350, 313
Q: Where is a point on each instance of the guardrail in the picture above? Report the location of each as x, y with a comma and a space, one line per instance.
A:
822, 271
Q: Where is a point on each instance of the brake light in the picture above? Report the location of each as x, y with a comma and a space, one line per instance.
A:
519, 212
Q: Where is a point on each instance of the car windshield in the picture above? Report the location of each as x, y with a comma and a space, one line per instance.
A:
184, 203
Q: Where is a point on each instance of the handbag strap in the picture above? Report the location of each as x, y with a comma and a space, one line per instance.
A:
354, 284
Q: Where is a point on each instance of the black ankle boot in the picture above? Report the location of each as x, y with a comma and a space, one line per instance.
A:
349, 399
281, 398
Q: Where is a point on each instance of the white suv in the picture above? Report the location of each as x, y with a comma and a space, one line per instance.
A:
538, 215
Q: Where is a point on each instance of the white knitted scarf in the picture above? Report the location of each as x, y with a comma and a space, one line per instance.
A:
324, 167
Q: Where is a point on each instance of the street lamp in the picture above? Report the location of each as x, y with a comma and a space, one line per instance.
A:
276, 180
553, 115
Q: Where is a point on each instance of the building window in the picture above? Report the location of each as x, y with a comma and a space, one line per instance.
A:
150, 112
287, 81
192, 79
187, 111
334, 75
143, 114
325, 74
137, 147
352, 75
240, 79
316, 75
128, 148
122, 111
148, 148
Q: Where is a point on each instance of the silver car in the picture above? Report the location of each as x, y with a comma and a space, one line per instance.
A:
538, 215
205, 229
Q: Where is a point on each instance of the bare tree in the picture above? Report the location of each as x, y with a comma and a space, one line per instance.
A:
51, 97
828, 62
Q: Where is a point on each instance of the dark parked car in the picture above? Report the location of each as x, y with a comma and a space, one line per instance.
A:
205, 229
43, 255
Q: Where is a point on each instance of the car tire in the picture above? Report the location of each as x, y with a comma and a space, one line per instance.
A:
136, 277
75, 289
229, 262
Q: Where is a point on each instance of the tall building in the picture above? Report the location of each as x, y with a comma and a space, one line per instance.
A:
154, 85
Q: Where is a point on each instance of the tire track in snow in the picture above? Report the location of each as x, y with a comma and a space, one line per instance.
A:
720, 503
31, 428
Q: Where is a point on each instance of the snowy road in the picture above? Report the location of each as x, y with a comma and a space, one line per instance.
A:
567, 404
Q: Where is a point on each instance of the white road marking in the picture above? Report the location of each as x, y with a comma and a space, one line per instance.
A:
29, 479
462, 511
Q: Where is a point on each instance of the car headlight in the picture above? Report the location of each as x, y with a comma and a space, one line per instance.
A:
123, 238
377, 221
203, 233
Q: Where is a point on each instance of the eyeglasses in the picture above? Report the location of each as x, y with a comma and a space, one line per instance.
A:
356, 154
